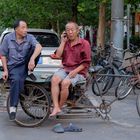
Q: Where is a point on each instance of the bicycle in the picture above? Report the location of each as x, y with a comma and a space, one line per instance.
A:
109, 68
102, 60
130, 81
100, 54
114, 70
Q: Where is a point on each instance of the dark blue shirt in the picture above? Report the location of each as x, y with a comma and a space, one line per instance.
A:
16, 52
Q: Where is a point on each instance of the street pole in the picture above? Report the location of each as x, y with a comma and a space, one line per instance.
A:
128, 25
117, 27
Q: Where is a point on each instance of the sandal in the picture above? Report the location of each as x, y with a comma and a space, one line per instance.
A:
58, 128
72, 128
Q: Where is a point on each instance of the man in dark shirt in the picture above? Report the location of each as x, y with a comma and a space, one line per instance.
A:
17, 59
76, 56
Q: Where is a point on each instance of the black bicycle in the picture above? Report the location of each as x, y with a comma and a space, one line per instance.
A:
114, 70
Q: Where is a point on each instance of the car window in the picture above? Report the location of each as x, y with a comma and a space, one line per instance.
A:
46, 39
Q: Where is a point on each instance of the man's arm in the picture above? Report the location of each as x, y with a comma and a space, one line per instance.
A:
4, 64
36, 52
60, 49
76, 71
4, 53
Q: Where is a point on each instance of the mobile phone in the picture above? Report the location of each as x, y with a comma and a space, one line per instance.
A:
65, 34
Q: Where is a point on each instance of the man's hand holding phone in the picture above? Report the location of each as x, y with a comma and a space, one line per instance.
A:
64, 37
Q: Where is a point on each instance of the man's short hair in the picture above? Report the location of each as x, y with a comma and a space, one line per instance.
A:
76, 25
17, 22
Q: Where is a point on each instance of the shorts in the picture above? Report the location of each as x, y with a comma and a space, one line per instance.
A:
64, 75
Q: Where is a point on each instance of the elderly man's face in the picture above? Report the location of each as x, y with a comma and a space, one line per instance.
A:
72, 31
22, 29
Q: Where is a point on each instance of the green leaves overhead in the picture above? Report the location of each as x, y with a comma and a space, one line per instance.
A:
46, 13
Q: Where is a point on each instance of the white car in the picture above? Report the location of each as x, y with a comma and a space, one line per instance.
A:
50, 42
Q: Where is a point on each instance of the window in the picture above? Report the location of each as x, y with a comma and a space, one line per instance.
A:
46, 39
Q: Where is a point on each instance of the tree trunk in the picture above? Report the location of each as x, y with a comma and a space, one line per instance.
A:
53, 24
101, 26
74, 10
58, 28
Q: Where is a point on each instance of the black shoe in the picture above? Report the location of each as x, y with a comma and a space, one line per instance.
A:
12, 116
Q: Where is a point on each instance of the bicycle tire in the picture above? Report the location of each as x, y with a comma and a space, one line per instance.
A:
34, 110
137, 85
138, 104
123, 89
104, 82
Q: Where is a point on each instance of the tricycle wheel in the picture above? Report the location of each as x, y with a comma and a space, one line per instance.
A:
34, 106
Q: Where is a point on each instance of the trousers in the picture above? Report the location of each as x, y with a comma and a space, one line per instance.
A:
17, 78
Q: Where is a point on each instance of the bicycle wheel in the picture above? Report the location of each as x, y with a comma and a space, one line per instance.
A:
138, 104
34, 106
138, 85
123, 89
103, 82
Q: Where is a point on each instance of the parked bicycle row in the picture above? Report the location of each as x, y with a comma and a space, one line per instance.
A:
123, 75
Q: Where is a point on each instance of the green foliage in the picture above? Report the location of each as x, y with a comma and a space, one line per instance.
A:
43, 13
132, 2
47, 13
134, 5
88, 11
135, 40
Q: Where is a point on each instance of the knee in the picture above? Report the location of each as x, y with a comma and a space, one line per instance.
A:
55, 80
16, 80
65, 84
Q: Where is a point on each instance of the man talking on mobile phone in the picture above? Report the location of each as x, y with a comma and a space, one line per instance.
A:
76, 57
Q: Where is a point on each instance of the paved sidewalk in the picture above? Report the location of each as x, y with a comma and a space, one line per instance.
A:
124, 125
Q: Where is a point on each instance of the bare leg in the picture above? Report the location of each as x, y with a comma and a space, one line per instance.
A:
64, 91
55, 90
